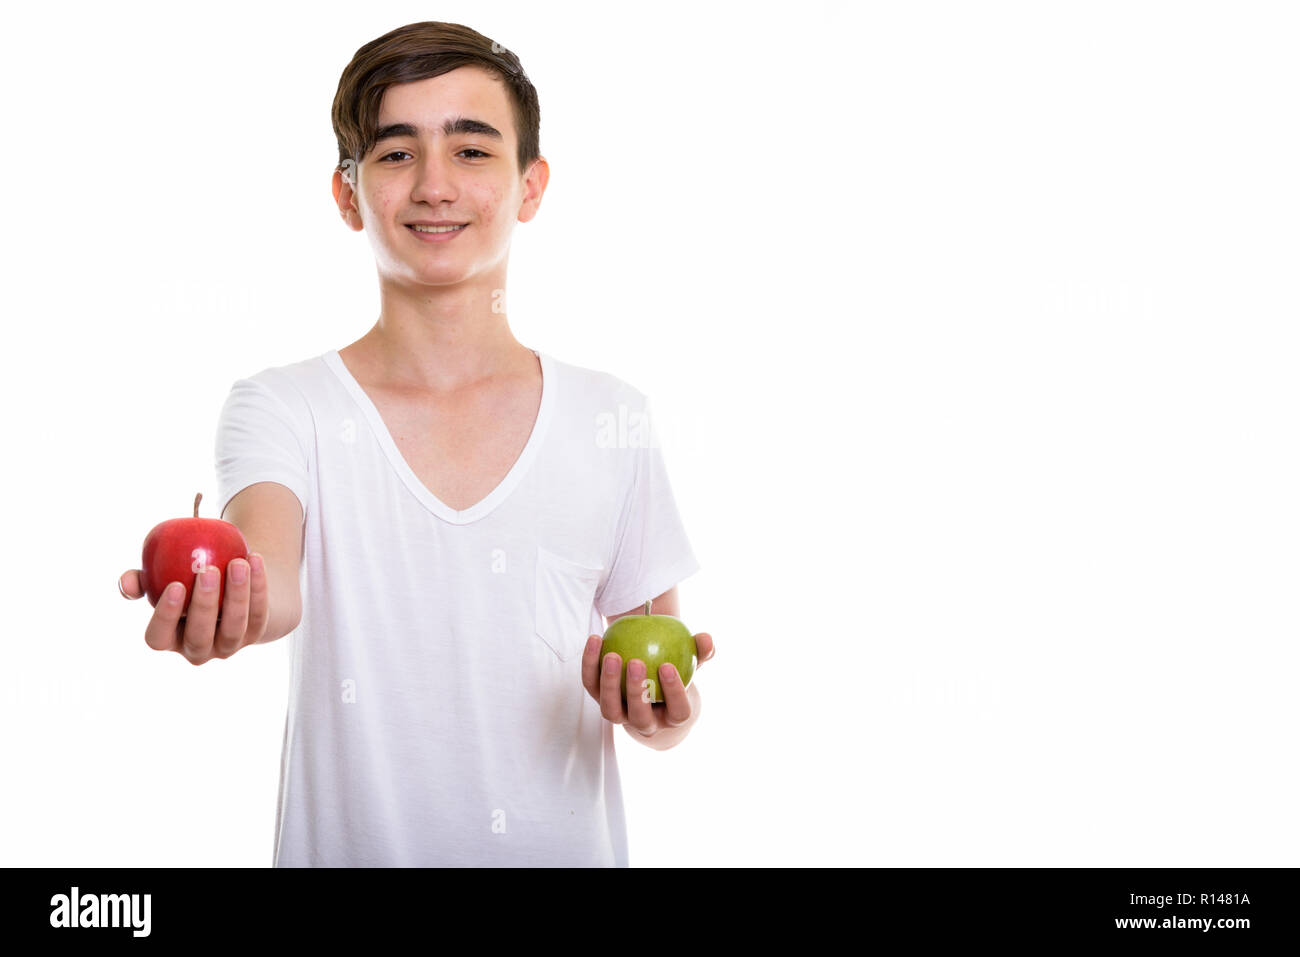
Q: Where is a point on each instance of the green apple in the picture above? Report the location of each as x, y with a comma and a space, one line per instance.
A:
655, 640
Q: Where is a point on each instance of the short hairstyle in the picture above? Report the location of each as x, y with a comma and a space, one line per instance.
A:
418, 51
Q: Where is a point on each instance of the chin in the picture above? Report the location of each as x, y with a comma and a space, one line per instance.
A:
430, 276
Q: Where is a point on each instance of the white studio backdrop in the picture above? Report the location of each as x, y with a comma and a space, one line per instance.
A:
970, 334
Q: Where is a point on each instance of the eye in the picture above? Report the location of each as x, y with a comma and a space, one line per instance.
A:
385, 158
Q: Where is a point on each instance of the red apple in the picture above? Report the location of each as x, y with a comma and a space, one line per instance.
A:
178, 549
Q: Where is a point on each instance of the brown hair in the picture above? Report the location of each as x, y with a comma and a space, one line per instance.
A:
418, 51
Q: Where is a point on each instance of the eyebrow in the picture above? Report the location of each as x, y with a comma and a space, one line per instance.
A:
452, 126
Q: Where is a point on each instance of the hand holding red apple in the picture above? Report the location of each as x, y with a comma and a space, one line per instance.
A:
181, 548
198, 620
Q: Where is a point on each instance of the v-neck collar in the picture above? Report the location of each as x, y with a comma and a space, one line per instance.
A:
431, 501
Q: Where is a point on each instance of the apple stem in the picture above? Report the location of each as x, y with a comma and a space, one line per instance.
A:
196, 504
647, 606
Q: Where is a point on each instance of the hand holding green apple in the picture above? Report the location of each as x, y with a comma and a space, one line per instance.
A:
656, 656
653, 640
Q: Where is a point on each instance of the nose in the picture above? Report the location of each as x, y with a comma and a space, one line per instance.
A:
435, 178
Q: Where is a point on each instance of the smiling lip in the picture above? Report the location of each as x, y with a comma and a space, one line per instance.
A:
435, 237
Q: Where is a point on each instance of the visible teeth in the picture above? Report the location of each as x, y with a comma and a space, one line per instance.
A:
437, 229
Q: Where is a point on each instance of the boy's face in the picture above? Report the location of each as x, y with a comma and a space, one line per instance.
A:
467, 175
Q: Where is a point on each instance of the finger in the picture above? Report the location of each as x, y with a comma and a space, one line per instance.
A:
678, 710
233, 626
201, 616
703, 648
640, 694
259, 597
591, 666
129, 585
163, 632
611, 698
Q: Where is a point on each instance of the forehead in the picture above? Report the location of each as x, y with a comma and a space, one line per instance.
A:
464, 91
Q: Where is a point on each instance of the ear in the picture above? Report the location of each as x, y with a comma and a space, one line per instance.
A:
539, 175
345, 197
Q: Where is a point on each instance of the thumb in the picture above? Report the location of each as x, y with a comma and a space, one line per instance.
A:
129, 585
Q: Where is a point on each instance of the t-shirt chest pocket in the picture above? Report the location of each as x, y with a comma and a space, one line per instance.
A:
565, 591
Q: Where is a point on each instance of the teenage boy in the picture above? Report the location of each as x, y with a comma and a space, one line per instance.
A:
442, 514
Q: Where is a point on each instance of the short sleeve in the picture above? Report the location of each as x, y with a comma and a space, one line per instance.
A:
261, 437
653, 552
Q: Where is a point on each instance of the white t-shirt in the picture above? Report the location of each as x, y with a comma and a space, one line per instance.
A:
436, 712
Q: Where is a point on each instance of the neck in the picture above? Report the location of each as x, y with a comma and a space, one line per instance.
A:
443, 344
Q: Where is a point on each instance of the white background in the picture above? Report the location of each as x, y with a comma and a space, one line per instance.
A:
970, 330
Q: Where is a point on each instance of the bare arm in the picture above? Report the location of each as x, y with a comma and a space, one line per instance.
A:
665, 604
271, 520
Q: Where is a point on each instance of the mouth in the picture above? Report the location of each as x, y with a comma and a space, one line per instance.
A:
436, 234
